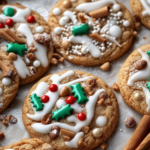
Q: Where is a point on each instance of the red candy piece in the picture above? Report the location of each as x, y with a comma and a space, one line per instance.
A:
70, 99
81, 116
9, 22
2, 25
45, 98
53, 87
31, 19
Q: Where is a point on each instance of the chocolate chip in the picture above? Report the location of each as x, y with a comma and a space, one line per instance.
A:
54, 132
46, 119
141, 64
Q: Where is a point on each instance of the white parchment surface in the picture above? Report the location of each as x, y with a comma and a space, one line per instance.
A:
121, 135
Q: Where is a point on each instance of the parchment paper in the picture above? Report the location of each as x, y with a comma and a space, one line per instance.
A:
121, 135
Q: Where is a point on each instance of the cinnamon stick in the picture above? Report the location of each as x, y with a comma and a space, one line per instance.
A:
67, 133
139, 133
102, 12
6, 36
14, 36
145, 143
97, 37
6, 69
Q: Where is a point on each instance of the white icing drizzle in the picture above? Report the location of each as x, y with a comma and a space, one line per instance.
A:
41, 53
143, 74
74, 142
53, 95
60, 103
21, 67
95, 52
39, 29
1, 91
6, 81
77, 108
90, 20
112, 39
71, 15
57, 11
90, 105
20, 15
146, 5
88, 7
64, 20
101, 121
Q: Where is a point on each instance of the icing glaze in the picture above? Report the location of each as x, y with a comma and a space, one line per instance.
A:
94, 5
57, 11
20, 15
90, 105
41, 53
53, 95
39, 29
60, 102
1, 91
6, 81
64, 20
36, 63
74, 142
95, 52
71, 15
146, 5
58, 30
115, 31
126, 23
21, 67
101, 121
77, 108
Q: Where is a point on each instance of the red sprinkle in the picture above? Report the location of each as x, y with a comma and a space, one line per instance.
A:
9, 22
45, 98
53, 87
2, 25
70, 99
81, 116
31, 19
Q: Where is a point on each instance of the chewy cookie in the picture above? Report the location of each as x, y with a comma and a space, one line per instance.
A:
91, 33
134, 79
141, 9
71, 110
9, 81
25, 37
28, 144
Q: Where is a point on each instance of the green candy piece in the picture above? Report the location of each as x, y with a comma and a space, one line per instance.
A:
148, 85
9, 12
62, 113
81, 29
37, 102
16, 48
77, 89
148, 53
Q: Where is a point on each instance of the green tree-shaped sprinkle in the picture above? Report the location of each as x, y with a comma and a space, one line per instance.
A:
148, 85
77, 89
62, 113
36, 101
148, 52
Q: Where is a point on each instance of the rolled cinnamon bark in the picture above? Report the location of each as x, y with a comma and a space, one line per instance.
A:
97, 37
14, 36
102, 12
145, 143
139, 134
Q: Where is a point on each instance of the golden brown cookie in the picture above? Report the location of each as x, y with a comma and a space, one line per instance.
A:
27, 41
141, 9
91, 33
9, 81
71, 110
29, 144
134, 79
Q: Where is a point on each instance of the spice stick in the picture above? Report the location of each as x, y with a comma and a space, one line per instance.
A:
97, 37
145, 143
14, 36
102, 12
67, 133
139, 133
6, 36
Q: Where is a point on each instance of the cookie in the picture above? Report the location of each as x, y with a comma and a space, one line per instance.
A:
70, 110
29, 144
134, 80
27, 41
9, 81
141, 9
91, 33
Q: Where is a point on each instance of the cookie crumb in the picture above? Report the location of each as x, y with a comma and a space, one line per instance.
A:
121, 130
105, 66
104, 145
2, 135
135, 34
54, 61
5, 123
115, 87
137, 26
130, 122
